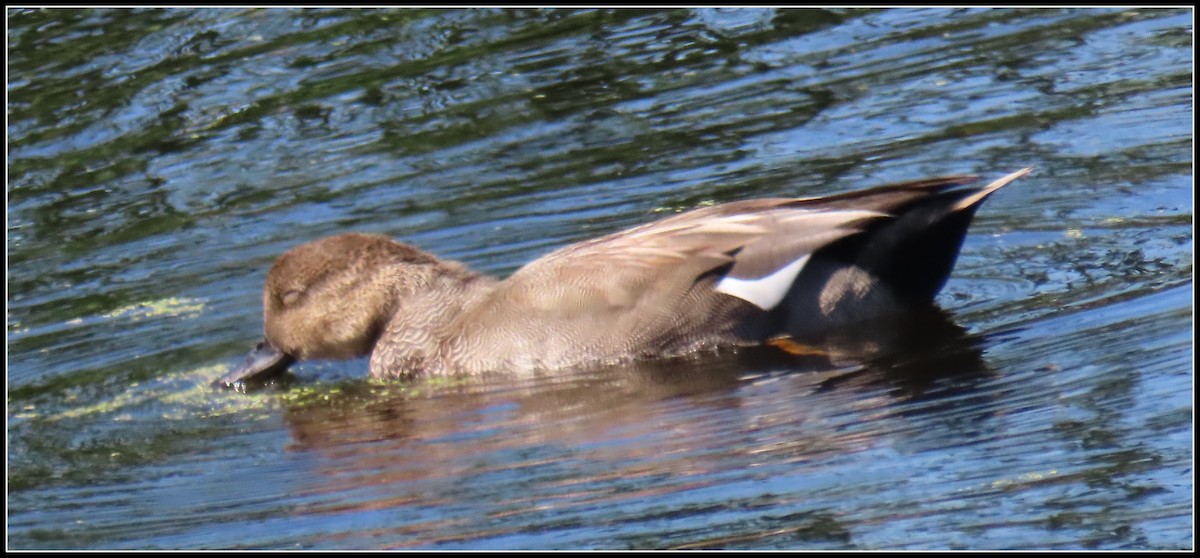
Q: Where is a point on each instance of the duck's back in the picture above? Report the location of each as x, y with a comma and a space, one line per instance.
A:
733, 274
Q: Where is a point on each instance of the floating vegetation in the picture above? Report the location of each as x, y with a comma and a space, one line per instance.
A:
174, 307
180, 396
682, 208
189, 395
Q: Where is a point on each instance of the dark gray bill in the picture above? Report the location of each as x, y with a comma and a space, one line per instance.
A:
262, 364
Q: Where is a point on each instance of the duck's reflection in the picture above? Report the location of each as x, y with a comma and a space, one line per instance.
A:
592, 434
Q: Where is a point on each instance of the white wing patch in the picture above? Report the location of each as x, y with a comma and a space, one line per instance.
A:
764, 292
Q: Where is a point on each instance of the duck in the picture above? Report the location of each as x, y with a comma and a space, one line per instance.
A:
737, 274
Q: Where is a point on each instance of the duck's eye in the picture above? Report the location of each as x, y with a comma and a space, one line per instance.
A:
291, 297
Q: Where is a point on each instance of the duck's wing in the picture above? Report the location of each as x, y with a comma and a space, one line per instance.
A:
755, 248
760, 238
765, 244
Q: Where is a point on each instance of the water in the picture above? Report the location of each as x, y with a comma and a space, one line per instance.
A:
158, 160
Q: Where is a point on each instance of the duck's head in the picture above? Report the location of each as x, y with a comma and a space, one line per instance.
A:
330, 299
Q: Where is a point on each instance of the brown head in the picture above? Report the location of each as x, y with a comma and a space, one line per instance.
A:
332, 297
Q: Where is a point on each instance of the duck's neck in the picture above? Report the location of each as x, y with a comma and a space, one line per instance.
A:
423, 316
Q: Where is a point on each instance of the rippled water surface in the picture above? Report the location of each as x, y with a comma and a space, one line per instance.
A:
158, 160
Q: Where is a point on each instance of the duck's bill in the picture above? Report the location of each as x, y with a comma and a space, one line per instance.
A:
264, 363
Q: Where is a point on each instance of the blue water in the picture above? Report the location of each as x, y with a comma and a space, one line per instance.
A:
158, 160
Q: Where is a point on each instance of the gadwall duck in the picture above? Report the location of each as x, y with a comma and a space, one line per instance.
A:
736, 274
